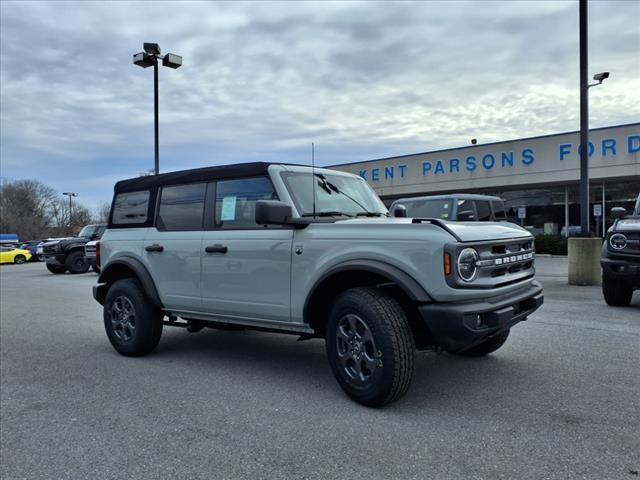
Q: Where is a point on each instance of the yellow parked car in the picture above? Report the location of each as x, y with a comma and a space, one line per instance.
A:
13, 255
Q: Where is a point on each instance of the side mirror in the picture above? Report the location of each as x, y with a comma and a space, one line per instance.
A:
273, 212
400, 211
618, 212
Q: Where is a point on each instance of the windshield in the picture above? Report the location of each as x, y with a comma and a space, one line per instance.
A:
90, 230
334, 194
427, 208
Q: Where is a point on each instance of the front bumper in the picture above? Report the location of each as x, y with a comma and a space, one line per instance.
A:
621, 269
457, 326
55, 258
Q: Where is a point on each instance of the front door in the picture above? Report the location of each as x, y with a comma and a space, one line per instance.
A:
246, 268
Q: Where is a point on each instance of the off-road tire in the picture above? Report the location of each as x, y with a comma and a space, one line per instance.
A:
393, 340
485, 348
56, 268
615, 292
76, 263
147, 319
19, 259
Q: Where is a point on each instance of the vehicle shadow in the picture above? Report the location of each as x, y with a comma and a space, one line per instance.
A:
441, 384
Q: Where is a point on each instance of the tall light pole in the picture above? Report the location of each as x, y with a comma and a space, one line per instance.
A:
584, 118
70, 195
149, 58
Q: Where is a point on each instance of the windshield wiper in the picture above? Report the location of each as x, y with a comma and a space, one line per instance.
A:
328, 186
371, 214
334, 213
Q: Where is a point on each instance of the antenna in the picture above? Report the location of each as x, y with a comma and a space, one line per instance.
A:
313, 177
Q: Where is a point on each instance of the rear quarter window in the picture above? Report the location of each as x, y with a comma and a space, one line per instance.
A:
130, 208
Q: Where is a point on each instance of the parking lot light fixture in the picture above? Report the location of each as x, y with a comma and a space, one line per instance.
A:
70, 195
146, 59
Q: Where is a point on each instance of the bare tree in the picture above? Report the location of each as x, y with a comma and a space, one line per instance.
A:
102, 212
24, 208
34, 210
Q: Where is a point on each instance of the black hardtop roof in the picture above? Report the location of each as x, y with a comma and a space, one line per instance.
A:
186, 176
452, 196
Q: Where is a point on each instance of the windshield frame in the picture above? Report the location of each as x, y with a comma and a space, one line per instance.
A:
377, 205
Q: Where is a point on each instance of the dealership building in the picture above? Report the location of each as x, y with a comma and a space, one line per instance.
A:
538, 177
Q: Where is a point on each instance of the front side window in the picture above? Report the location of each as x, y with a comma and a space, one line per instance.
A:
428, 208
465, 211
334, 194
182, 207
236, 201
131, 207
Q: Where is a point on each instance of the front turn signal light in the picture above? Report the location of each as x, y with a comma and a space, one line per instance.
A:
447, 264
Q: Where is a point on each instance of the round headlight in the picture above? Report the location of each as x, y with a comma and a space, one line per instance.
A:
618, 241
467, 268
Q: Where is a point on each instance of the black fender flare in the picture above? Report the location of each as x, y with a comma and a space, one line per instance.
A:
406, 282
108, 275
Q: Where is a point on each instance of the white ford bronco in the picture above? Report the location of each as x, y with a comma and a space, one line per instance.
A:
310, 252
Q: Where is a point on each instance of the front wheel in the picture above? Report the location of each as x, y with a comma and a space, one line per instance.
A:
370, 346
616, 293
132, 323
56, 268
19, 259
76, 262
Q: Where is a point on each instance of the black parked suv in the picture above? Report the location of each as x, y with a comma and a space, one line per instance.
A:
621, 257
68, 253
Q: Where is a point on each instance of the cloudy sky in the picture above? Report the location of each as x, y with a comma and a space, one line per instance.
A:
262, 80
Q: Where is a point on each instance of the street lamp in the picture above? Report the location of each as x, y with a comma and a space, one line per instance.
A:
584, 118
70, 195
149, 58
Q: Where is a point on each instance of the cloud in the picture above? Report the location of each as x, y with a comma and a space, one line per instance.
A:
261, 80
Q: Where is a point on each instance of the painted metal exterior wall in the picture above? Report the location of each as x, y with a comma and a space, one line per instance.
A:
614, 153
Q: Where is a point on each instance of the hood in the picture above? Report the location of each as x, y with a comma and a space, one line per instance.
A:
53, 241
629, 224
465, 231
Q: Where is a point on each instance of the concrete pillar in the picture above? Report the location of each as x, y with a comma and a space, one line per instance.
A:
584, 261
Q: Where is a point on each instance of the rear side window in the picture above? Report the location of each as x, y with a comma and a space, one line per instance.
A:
498, 209
182, 207
483, 210
236, 201
131, 207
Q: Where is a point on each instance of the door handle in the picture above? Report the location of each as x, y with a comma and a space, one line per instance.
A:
154, 248
217, 248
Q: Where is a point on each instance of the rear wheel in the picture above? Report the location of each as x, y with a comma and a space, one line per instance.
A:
19, 259
487, 347
132, 323
370, 346
56, 268
76, 262
616, 293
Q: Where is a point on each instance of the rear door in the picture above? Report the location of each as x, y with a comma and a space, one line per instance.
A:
246, 268
172, 248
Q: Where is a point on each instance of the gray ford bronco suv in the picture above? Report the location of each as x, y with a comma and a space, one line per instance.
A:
311, 252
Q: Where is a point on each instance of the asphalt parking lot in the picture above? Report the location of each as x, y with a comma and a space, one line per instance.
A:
559, 400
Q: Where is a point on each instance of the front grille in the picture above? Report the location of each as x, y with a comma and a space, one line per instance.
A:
90, 251
502, 263
50, 249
